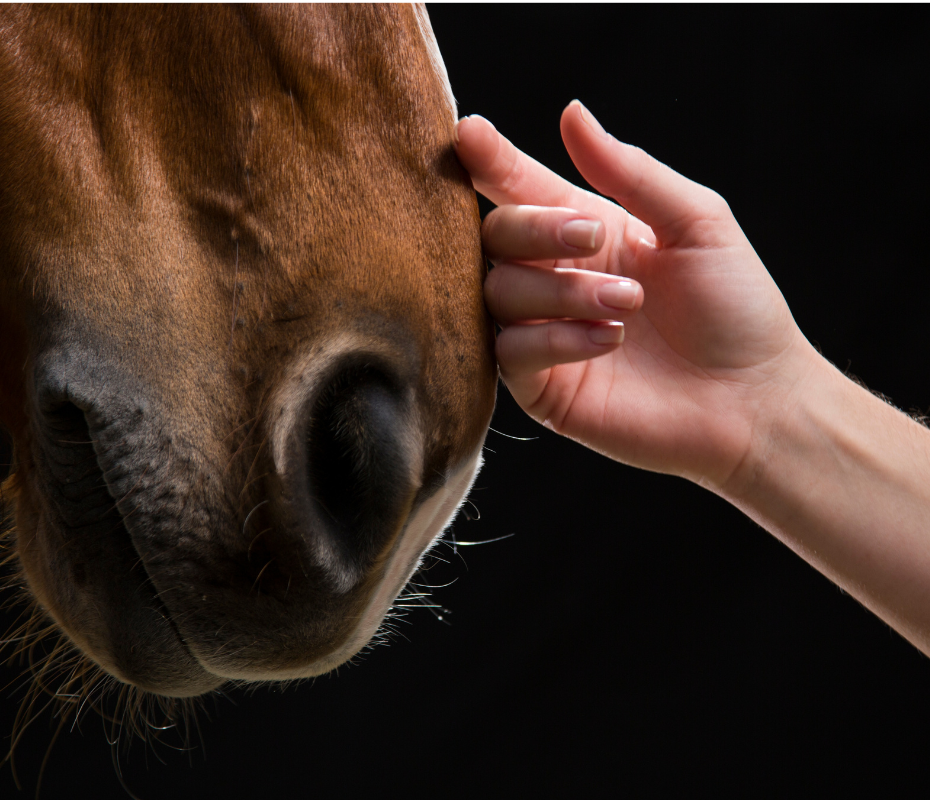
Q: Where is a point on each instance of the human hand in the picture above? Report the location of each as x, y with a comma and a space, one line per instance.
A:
711, 354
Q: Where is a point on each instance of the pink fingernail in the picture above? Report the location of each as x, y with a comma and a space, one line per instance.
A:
581, 233
606, 333
618, 294
591, 122
470, 118
484, 119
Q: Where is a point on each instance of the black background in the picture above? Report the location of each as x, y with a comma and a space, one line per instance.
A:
636, 636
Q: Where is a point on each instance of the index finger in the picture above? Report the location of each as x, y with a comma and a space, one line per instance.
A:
506, 175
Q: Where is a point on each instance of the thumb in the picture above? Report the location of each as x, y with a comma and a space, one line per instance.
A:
667, 202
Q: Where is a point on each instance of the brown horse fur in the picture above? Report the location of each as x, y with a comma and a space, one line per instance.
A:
244, 358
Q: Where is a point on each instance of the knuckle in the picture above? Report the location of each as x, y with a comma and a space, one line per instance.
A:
562, 291
552, 337
717, 206
641, 162
560, 340
570, 290
511, 175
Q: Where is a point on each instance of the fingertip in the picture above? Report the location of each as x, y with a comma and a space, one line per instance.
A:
475, 141
660, 197
473, 128
585, 234
588, 144
622, 295
476, 119
576, 113
607, 334
575, 107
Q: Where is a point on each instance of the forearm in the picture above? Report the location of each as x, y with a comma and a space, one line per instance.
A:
843, 479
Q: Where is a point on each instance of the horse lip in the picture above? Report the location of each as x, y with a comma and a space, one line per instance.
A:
97, 587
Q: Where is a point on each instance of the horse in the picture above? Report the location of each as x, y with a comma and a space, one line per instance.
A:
246, 366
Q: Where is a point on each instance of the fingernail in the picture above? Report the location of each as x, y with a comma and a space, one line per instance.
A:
618, 294
581, 233
606, 333
455, 130
588, 118
478, 116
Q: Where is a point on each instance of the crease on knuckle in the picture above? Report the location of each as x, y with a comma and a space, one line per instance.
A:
551, 341
572, 293
562, 293
511, 175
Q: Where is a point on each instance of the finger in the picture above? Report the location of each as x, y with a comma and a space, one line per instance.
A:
534, 233
515, 292
667, 202
505, 175
525, 349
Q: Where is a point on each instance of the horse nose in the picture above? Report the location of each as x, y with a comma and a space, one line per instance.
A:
356, 470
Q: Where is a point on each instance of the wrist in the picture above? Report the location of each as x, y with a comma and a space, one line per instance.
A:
843, 479
798, 386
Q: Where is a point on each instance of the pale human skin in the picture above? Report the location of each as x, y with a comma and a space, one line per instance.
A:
655, 335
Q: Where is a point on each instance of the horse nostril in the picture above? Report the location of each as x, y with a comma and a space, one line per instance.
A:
66, 425
71, 462
63, 416
360, 459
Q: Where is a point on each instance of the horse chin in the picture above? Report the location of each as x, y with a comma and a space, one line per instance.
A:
107, 610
